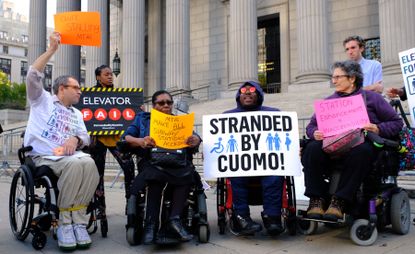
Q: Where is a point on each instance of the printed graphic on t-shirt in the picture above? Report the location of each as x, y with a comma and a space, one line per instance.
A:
62, 125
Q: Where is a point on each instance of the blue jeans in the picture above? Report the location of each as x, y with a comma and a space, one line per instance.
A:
271, 194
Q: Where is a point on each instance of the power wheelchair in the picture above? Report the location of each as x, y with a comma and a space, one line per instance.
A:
224, 203
378, 203
194, 216
32, 203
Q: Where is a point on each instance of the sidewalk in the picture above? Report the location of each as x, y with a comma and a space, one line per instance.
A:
325, 241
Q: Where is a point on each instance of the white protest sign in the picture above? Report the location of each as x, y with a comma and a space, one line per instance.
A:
407, 60
256, 143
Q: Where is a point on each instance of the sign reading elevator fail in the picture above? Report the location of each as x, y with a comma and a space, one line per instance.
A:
109, 111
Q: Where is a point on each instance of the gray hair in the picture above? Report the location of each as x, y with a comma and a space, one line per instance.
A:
352, 69
61, 81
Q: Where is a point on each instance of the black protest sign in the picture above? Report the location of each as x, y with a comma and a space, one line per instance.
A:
109, 111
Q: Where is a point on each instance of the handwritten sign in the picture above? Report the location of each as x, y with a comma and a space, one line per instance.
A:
79, 28
335, 116
256, 143
407, 61
171, 131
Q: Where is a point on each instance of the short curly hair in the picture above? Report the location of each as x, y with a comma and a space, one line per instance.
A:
352, 69
357, 38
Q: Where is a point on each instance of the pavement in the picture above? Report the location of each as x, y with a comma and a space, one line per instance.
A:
326, 240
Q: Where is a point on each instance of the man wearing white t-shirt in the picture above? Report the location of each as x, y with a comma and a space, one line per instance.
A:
372, 69
57, 132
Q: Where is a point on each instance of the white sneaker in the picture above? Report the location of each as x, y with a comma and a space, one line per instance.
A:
66, 237
82, 237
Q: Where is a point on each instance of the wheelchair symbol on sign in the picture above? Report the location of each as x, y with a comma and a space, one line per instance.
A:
218, 148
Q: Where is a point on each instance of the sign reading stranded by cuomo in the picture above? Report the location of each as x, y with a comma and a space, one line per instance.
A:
251, 144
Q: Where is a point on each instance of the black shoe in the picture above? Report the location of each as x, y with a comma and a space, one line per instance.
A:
272, 224
149, 232
244, 225
176, 227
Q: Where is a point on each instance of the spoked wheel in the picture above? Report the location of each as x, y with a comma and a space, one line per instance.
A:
21, 202
400, 213
360, 233
307, 227
204, 233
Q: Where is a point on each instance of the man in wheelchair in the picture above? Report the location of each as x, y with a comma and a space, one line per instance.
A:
384, 121
57, 132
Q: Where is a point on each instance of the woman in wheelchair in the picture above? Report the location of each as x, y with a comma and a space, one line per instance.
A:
347, 79
156, 177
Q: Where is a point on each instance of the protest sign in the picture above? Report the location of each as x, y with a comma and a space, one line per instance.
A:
256, 143
407, 61
79, 28
109, 111
169, 131
335, 116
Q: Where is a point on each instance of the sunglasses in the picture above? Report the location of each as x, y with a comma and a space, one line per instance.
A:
162, 103
244, 90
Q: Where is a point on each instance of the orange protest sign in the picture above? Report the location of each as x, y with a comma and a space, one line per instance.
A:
171, 131
79, 28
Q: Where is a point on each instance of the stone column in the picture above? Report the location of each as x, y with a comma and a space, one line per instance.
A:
97, 56
132, 55
396, 20
243, 46
312, 41
37, 30
68, 57
154, 47
177, 45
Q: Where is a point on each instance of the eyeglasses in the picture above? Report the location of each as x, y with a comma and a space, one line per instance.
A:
77, 88
162, 103
244, 90
338, 77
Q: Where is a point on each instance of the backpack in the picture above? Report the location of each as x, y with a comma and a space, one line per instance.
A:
407, 160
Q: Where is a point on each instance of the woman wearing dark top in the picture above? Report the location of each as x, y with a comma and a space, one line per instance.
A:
179, 179
384, 121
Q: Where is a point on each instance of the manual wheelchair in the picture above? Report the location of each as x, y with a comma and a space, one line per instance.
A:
378, 203
32, 203
224, 203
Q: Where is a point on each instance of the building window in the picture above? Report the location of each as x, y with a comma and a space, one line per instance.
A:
25, 38
3, 35
372, 49
23, 71
26, 51
82, 80
5, 49
6, 66
48, 77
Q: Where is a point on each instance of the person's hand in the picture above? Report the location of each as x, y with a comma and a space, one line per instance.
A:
148, 142
378, 87
394, 92
318, 135
70, 145
54, 41
193, 141
371, 127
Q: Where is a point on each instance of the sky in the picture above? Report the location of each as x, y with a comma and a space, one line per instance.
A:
22, 6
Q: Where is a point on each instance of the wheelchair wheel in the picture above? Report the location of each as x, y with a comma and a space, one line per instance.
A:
133, 236
360, 233
39, 240
204, 233
400, 213
21, 203
307, 227
104, 227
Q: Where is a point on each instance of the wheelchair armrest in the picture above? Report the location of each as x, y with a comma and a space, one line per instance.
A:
380, 142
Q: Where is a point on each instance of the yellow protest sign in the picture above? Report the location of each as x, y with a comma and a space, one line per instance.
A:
79, 28
171, 131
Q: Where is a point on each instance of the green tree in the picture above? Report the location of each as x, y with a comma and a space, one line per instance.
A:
12, 95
